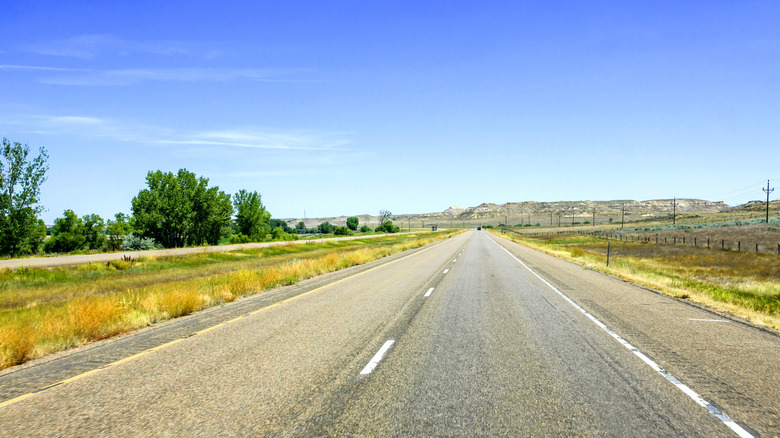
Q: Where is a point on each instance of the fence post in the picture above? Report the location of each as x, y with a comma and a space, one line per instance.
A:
683, 240
675, 240
694, 241
608, 245
756, 248
722, 244
739, 246
708, 243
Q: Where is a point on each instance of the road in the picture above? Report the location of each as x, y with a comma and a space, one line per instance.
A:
472, 336
70, 260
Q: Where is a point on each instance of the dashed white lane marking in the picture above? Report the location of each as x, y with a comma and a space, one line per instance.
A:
430, 291
446, 271
377, 357
708, 320
454, 260
731, 424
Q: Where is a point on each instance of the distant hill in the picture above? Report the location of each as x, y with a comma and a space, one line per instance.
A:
539, 212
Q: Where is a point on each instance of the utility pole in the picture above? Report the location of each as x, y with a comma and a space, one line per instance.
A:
622, 214
594, 217
506, 221
674, 211
410, 224
551, 222
768, 191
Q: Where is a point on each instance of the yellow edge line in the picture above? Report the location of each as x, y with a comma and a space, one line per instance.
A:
168, 344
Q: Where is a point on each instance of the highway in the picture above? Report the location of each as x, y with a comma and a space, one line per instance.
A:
71, 260
472, 336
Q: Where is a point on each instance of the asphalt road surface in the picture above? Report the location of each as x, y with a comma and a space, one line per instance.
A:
69, 260
473, 336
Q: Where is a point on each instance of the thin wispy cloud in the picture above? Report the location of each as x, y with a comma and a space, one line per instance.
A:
12, 67
255, 139
137, 75
119, 77
94, 46
246, 138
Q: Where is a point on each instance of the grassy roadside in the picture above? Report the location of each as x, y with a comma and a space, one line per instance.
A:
43, 311
743, 284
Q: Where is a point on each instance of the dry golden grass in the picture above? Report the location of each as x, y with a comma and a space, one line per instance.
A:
45, 311
744, 284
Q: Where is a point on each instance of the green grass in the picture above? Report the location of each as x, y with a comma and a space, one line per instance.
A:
43, 310
745, 284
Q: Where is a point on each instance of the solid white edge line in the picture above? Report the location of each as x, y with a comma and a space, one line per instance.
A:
430, 291
731, 424
377, 357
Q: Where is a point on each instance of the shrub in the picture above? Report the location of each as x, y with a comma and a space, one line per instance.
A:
239, 238
365, 229
387, 227
134, 242
326, 228
342, 231
278, 234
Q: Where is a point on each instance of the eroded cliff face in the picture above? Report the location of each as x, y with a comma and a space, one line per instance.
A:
532, 211
583, 208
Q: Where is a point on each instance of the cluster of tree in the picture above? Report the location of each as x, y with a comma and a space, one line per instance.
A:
72, 233
385, 224
174, 210
327, 228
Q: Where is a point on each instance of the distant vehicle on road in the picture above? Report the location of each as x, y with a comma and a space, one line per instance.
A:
479, 228
434, 227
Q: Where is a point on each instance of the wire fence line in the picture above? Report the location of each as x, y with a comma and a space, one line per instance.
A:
722, 244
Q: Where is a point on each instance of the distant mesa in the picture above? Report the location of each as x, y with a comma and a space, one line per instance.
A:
541, 212
453, 211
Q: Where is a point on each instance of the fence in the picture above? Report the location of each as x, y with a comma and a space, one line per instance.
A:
709, 243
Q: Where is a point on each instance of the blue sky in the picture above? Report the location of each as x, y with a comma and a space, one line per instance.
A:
351, 107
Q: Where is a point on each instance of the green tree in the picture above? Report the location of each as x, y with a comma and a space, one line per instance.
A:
93, 230
278, 234
21, 177
342, 231
365, 229
178, 210
278, 223
117, 230
300, 228
68, 234
352, 223
384, 216
387, 227
251, 215
326, 228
